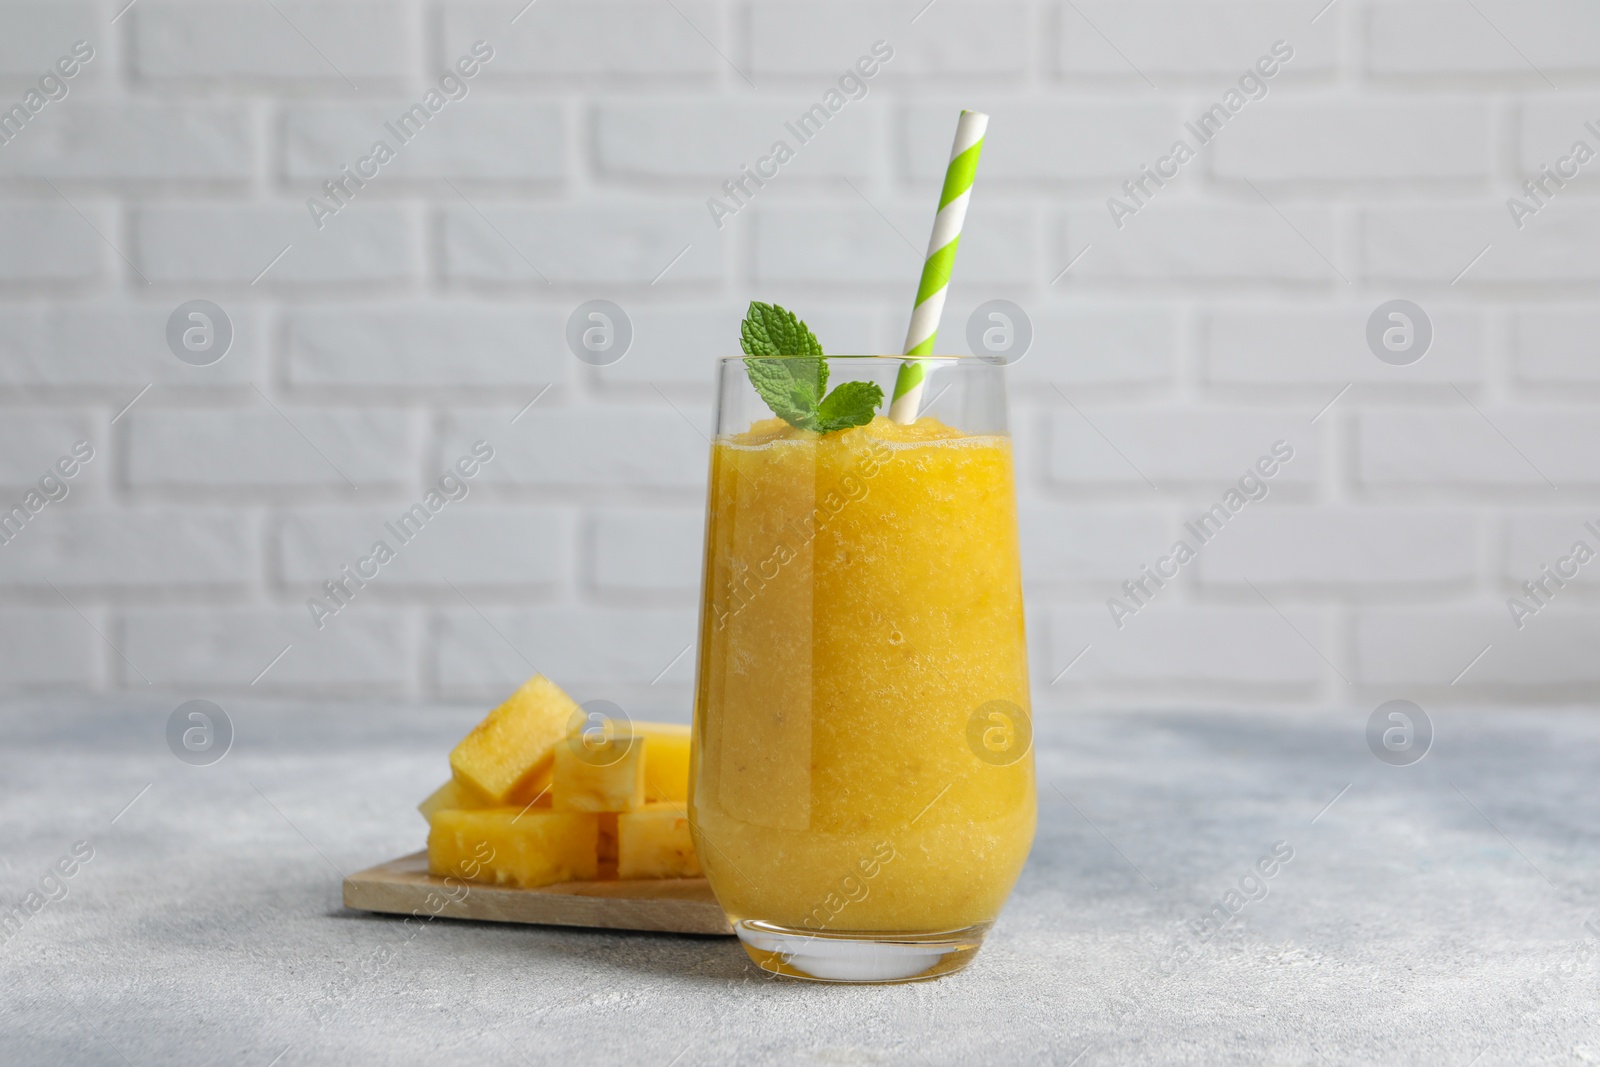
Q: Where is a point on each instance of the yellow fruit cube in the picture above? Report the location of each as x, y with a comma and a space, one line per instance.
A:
533, 789
655, 843
666, 760
513, 743
453, 796
457, 795
509, 846
607, 849
603, 776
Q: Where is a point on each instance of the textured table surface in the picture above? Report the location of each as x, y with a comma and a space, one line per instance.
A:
1433, 914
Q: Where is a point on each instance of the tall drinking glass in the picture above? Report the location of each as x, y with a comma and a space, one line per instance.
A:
862, 786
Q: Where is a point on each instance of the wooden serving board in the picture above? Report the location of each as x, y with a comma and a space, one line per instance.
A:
671, 905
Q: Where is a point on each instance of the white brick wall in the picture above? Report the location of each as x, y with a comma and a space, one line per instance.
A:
111, 349
604, 244
456, 345
43, 243
967, 40
600, 41
1336, 139
1184, 241
247, 41
112, 143
154, 551
1225, 315
477, 139
1164, 40
1308, 346
639, 550
1443, 38
232, 244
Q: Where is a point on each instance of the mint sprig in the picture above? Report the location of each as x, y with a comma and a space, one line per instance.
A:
787, 371
790, 386
769, 330
850, 404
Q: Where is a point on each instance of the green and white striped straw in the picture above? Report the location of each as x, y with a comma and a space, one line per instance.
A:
936, 268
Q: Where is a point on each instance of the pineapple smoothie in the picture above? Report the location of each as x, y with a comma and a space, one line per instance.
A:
863, 601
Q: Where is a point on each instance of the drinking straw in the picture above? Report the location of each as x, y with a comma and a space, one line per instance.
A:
936, 267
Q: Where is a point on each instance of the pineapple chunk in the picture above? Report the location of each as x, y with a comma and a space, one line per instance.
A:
607, 849
655, 843
453, 796
604, 777
513, 743
507, 846
533, 789
666, 760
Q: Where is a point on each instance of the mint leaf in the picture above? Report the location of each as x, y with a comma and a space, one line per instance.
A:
788, 373
791, 396
850, 404
769, 330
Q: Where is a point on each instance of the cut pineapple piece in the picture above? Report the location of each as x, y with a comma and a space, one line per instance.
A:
503, 754
607, 847
453, 796
666, 760
533, 789
456, 795
604, 776
509, 846
655, 843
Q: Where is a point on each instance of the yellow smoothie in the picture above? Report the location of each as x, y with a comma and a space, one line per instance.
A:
863, 600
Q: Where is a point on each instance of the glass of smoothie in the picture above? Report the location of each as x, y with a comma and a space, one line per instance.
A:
862, 785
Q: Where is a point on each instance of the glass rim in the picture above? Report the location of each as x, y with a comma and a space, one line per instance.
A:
993, 361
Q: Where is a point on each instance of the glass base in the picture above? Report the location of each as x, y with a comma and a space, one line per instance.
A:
858, 956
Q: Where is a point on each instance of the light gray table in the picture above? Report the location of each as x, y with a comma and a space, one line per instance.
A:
1433, 914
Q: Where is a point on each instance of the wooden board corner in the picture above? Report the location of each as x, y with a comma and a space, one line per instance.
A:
403, 886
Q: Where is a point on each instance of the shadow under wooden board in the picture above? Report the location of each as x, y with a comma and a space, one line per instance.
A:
668, 905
